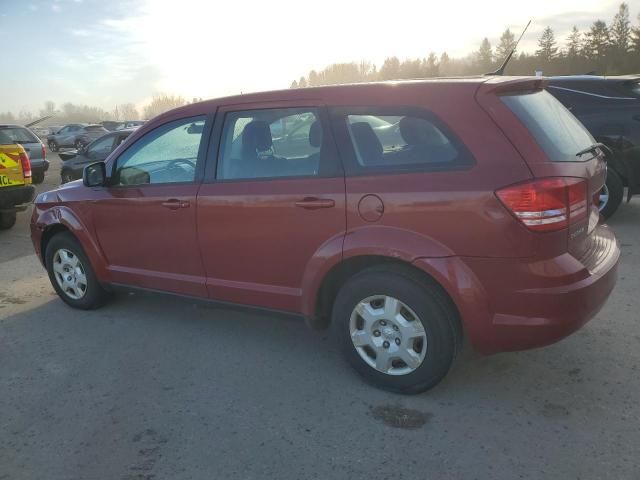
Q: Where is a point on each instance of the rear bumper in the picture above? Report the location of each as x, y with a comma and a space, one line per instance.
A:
517, 304
39, 166
15, 199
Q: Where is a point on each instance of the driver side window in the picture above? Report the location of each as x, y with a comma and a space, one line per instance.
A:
101, 148
167, 154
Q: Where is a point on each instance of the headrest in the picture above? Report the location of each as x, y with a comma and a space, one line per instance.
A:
256, 137
369, 146
315, 134
417, 131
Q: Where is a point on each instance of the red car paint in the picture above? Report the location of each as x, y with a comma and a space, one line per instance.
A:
272, 243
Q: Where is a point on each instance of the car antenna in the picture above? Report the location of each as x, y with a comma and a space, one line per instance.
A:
500, 71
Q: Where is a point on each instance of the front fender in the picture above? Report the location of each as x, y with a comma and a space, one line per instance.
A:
45, 219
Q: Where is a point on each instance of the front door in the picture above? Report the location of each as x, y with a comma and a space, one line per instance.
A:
146, 219
273, 202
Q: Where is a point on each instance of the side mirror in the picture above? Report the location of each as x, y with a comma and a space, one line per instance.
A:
94, 175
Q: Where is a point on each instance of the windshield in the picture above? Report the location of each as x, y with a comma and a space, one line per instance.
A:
557, 131
18, 135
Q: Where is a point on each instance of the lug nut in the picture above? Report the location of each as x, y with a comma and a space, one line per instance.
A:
376, 333
383, 323
386, 344
397, 341
395, 327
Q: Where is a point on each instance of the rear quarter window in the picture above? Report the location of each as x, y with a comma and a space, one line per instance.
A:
397, 139
558, 132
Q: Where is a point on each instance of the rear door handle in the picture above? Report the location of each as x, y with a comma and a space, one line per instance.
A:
175, 204
312, 203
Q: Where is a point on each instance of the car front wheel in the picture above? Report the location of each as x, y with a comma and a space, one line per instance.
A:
396, 329
66, 177
71, 274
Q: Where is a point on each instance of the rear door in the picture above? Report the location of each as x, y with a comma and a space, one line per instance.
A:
274, 201
550, 144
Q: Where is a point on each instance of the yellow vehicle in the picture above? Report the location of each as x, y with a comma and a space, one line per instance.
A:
16, 191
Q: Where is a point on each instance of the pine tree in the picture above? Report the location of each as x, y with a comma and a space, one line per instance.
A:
574, 43
547, 46
484, 56
302, 83
597, 42
507, 43
294, 84
445, 64
432, 66
621, 30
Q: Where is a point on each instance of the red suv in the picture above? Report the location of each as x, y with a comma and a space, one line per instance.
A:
403, 215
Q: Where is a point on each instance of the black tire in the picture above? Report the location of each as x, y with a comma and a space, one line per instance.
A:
432, 306
79, 144
66, 176
37, 178
95, 295
53, 146
7, 220
615, 189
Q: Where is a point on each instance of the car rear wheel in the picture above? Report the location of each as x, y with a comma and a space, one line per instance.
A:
71, 274
7, 220
37, 178
398, 331
53, 146
612, 194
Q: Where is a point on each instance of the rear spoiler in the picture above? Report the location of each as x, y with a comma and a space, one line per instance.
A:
500, 85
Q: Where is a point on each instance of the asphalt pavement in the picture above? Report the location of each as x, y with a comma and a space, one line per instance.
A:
152, 387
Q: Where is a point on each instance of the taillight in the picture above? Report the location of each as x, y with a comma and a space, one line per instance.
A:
26, 165
547, 204
44, 152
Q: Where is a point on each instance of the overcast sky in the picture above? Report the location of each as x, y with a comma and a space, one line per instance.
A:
105, 52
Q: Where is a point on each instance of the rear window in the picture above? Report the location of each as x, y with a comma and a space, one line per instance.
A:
390, 139
18, 135
557, 131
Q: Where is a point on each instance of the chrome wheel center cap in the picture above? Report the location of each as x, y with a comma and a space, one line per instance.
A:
388, 333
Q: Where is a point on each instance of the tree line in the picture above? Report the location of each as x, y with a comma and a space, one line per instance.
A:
71, 113
603, 49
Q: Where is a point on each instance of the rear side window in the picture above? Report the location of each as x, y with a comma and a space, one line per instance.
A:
556, 129
96, 128
400, 139
19, 135
270, 143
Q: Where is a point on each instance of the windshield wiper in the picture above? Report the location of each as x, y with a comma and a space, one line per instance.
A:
593, 147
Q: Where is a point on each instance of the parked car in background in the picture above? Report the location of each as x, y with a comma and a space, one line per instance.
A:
75, 135
74, 161
610, 109
16, 191
478, 219
130, 124
33, 146
41, 132
111, 125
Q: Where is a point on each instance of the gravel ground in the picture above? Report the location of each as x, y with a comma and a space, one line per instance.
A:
152, 387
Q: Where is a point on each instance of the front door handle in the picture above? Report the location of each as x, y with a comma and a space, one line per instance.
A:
312, 203
175, 204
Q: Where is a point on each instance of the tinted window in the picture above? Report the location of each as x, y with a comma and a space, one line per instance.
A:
167, 154
388, 139
557, 131
19, 135
270, 143
96, 128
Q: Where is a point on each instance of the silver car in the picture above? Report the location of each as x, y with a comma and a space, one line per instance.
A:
75, 135
33, 146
